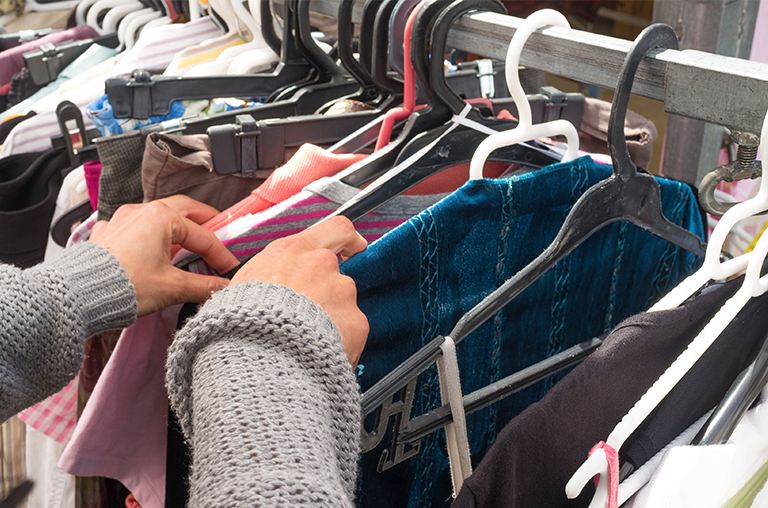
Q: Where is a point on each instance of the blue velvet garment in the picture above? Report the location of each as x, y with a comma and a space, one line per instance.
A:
418, 280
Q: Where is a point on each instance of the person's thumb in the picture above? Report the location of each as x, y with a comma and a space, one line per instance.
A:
192, 287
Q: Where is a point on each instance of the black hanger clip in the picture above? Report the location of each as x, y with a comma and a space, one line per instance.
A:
556, 102
233, 147
75, 137
46, 63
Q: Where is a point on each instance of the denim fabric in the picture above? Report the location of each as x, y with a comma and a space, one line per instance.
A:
418, 280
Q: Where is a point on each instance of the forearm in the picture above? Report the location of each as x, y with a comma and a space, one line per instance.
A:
48, 313
267, 400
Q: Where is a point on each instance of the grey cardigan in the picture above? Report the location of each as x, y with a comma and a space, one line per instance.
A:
259, 379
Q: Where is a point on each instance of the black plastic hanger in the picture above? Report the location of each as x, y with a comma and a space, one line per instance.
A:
626, 196
11, 40
61, 229
368, 92
328, 83
397, 30
46, 63
17, 495
601, 205
268, 28
377, 88
305, 99
77, 141
430, 117
262, 145
80, 150
429, 422
379, 50
456, 104
452, 148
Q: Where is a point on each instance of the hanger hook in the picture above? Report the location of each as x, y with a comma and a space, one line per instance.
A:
439, 36
658, 35
536, 20
420, 49
345, 33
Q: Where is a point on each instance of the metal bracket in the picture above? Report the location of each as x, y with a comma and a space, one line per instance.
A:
718, 89
485, 75
745, 167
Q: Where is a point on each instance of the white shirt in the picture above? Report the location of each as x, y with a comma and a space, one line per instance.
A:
154, 50
710, 476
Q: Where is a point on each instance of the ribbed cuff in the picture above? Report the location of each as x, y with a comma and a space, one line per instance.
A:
269, 297
100, 284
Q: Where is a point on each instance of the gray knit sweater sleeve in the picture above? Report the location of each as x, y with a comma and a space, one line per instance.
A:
48, 312
267, 401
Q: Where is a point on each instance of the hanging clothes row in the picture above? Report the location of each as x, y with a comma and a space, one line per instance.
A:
500, 254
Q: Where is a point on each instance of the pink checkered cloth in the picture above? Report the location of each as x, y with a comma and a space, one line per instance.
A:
56, 416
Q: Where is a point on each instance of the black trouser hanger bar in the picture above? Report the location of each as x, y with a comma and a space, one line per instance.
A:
143, 95
402, 381
251, 145
46, 63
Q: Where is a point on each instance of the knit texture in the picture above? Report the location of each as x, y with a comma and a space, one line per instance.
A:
120, 180
267, 401
48, 313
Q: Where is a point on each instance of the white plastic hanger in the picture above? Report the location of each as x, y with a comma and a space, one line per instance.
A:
245, 18
713, 268
162, 20
752, 286
122, 28
35, 6
194, 10
133, 25
225, 12
92, 18
115, 14
233, 13
143, 23
525, 131
457, 439
81, 10
251, 58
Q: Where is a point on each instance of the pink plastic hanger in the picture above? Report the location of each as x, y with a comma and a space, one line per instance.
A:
409, 86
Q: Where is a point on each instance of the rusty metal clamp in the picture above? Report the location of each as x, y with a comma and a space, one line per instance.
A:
744, 167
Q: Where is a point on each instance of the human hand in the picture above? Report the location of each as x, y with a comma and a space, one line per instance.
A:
141, 236
307, 263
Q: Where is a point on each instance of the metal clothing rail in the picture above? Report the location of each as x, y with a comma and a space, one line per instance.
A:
718, 89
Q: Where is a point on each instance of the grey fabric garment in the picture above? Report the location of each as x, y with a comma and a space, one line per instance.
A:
48, 312
267, 400
183, 165
638, 130
22, 87
120, 181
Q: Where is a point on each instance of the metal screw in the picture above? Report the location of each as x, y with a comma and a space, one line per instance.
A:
747, 150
